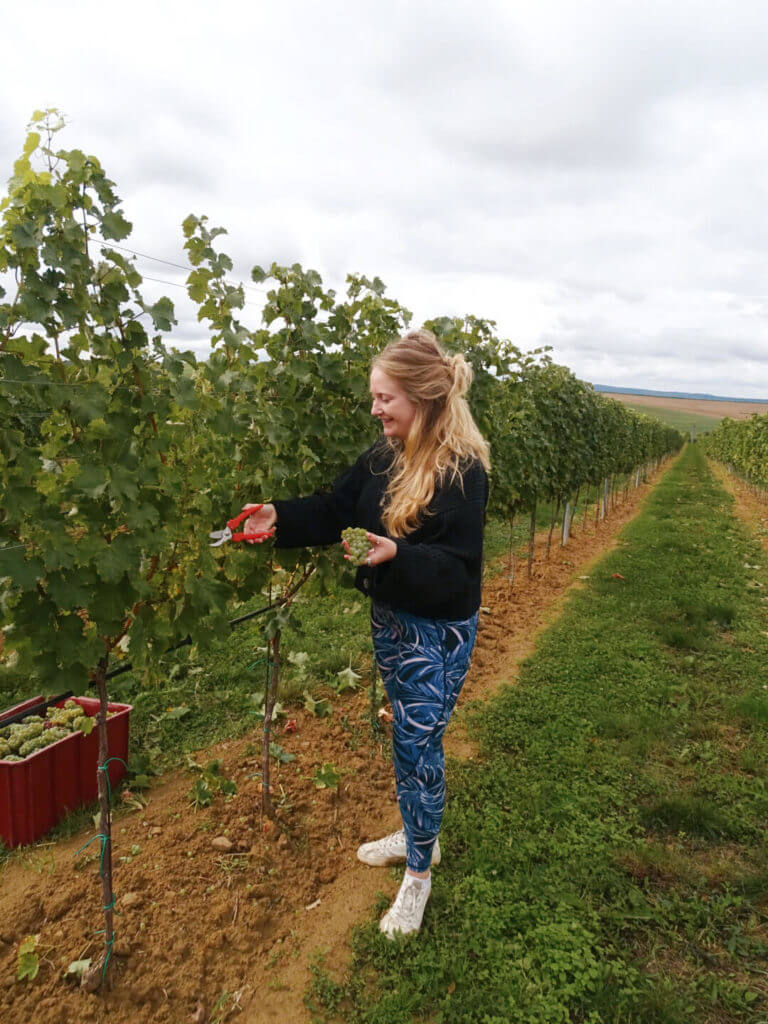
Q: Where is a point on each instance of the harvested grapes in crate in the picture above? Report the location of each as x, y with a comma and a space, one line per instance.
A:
33, 733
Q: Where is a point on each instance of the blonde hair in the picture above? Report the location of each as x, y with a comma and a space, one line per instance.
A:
443, 435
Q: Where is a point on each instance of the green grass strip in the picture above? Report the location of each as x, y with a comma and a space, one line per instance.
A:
606, 860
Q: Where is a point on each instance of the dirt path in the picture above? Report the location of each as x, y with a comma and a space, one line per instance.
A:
751, 508
202, 925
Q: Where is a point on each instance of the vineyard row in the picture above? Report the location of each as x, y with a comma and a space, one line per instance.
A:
742, 445
118, 453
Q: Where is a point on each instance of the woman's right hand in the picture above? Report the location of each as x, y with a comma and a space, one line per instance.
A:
263, 519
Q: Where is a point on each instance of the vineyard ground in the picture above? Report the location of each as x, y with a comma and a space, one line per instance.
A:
685, 413
609, 850
200, 926
210, 696
750, 508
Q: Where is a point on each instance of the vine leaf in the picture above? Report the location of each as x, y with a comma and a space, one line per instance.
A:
318, 708
326, 777
348, 679
77, 969
28, 963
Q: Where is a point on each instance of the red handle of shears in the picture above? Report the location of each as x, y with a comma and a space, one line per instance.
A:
232, 523
253, 536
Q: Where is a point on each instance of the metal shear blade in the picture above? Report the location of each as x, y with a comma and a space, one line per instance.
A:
219, 537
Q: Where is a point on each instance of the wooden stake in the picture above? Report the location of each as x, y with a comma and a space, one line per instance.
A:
105, 820
531, 540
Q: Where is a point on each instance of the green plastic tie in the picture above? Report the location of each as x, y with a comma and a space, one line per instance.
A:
105, 768
93, 839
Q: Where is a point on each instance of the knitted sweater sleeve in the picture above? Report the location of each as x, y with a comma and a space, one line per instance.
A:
450, 562
319, 518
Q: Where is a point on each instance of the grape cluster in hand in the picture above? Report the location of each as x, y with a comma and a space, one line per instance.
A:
359, 545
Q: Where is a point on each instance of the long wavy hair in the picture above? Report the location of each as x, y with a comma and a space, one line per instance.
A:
443, 438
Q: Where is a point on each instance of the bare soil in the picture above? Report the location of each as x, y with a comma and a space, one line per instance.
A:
750, 506
201, 926
699, 406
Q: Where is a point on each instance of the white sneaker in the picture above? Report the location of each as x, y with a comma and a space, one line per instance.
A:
405, 914
390, 850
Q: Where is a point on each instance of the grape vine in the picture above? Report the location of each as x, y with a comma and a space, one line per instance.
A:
742, 446
118, 453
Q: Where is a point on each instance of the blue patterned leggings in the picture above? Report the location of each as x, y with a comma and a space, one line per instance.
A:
423, 663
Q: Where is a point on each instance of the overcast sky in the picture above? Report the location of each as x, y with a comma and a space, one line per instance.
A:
590, 175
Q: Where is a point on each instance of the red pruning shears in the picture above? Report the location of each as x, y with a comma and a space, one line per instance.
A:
219, 537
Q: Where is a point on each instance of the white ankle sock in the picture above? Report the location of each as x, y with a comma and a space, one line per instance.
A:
421, 881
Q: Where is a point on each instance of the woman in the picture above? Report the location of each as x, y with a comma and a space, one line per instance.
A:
420, 492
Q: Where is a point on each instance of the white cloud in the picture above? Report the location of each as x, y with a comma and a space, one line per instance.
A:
589, 175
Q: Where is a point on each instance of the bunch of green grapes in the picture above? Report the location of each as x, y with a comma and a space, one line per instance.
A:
21, 733
359, 545
66, 715
32, 733
51, 735
36, 743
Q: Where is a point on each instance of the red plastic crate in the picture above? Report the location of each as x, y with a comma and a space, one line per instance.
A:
37, 792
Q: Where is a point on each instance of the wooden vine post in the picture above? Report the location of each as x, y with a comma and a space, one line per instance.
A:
531, 540
273, 677
105, 820
511, 553
555, 515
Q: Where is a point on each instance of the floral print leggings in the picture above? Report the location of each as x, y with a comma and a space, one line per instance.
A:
423, 663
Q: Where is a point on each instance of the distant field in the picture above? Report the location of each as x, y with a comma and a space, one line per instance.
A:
685, 413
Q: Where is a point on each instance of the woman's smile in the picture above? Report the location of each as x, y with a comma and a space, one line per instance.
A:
391, 405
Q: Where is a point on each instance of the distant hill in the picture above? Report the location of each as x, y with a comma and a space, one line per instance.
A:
675, 394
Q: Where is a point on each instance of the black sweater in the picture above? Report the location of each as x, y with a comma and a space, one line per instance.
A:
437, 570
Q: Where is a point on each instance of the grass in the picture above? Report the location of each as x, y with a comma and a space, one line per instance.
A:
681, 419
606, 859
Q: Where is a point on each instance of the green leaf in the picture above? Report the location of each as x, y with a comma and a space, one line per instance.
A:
91, 480
124, 483
228, 787
76, 160
27, 963
200, 794
71, 590
77, 969
319, 708
348, 679
162, 314
22, 572
114, 225
25, 235
89, 403
279, 754
326, 777
176, 714
300, 661
113, 561
87, 725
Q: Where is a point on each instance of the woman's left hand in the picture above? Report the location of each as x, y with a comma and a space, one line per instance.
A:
382, 550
